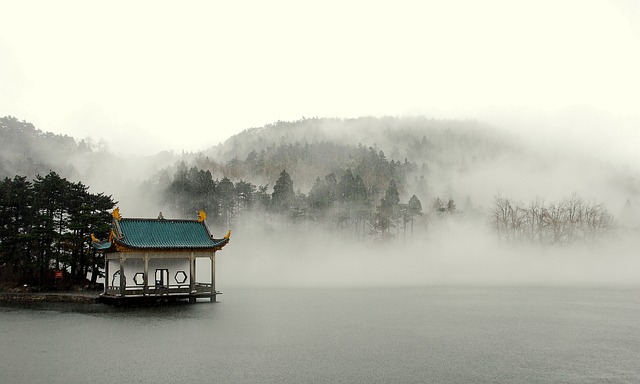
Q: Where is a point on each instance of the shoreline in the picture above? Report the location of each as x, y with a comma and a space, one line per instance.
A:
50, 297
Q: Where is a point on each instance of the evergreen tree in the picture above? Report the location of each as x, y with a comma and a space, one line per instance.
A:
51, 194
226, 195
318, 198
387, 212
413, 209
245, 194
263, 199
89, 214
346, 187
414, 206
332, 187
16, 220
283, 195
362, 206
46, 225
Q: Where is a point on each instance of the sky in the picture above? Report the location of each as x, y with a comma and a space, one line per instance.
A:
145, 76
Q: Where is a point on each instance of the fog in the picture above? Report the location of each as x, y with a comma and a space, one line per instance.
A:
215, 69
578, 151
584, 132
521, 155
461, 254
556, 155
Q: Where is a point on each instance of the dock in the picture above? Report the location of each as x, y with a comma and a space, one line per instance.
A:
133, 300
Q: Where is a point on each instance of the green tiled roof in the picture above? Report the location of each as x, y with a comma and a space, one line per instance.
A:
165, 234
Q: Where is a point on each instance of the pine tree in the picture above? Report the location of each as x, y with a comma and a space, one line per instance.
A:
226, 195
413, 209
388, 211
47, 225
16, 220
283, 195
318, 198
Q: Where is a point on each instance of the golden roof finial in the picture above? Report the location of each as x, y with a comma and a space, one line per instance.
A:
94, 239
228, 235
116, 214
202, 216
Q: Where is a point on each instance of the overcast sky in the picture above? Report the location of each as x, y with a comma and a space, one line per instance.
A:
189, 74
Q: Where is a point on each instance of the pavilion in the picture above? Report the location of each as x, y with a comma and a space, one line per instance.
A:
149, 260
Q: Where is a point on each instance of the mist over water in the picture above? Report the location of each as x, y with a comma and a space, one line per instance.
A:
449, 302
526, 156
462, 254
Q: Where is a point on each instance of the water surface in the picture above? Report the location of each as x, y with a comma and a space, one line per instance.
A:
400, 335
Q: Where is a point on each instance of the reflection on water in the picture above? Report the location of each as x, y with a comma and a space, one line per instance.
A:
444, 335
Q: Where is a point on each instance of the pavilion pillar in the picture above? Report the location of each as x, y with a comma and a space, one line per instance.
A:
146, 274
213, 276
123, 279
192, 272
192, 277
106, 273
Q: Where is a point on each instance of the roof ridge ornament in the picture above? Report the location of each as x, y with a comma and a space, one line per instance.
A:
202, 216
116, 214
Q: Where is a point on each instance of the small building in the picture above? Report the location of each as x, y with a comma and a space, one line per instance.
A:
155, 259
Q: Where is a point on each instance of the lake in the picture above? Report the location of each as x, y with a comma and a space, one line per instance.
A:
390, 335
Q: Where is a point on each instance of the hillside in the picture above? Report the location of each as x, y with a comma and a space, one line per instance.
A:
29, 151
465, 161
311, 148
454, 158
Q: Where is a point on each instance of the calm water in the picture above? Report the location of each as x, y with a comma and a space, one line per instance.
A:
421, 335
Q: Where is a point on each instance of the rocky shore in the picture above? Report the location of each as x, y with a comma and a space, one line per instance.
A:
53, 297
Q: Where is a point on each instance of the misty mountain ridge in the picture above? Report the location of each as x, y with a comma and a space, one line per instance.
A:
28, 151
464, 160
458, 158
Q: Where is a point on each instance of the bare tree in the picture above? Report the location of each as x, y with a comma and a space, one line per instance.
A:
570, 221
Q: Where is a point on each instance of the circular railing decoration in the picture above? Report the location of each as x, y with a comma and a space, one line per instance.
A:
180, 277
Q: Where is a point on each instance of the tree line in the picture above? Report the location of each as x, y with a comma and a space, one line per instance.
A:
46, 226
345, 202
305, 161
348, 204
569, 221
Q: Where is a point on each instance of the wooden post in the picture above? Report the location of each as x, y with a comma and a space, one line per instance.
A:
213, 277
123, 280
146, 274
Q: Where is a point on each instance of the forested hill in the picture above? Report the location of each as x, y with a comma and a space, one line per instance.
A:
308, 148
447, 164
28, 151
369, 176
466, 161
396, 136
358, 171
